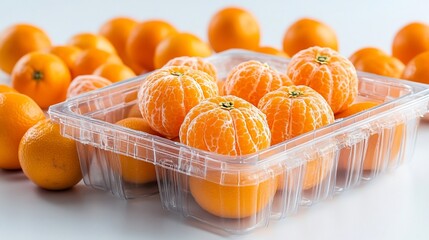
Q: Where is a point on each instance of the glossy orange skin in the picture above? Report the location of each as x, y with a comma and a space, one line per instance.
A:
178, 45
18, 113
18, 40
91, 59
381, 64
90, 40
233, 28
117, 30
142, 42
42, 76
307, 32
115, 72
410, 40
417, 69
68, 54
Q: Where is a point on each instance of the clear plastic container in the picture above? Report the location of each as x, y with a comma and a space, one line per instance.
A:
238, 194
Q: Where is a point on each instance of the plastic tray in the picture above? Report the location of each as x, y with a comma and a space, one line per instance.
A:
243, 193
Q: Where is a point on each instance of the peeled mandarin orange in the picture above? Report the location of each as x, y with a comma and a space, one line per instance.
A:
90, 40
292, 111
197, 63
180, 44
133, 170
18, 113
233, 27
306, 33
252, 79
142, 42
18, 40
114, 72
167, 95
226, 125
42, 76
85, 83
48, 159
231, 126
327, 72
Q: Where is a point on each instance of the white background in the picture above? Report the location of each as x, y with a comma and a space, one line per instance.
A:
394, 206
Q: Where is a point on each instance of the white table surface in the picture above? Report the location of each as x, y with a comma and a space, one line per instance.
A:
393, 206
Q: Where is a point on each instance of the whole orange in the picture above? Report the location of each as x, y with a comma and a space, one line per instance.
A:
251, 80
410, 40
133, 170
42, 76
48, 159
142, 42
117, 30
18, 40
417, 69
380, 64
231, 126
68, 54
180, 44
115, 72
91, 59
233, 27
91, 40
364, 52
18, 113
306, 33
327, 72
168, 94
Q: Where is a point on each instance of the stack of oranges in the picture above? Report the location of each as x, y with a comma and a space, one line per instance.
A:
182, 99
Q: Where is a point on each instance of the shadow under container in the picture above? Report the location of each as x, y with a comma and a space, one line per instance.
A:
239, 194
